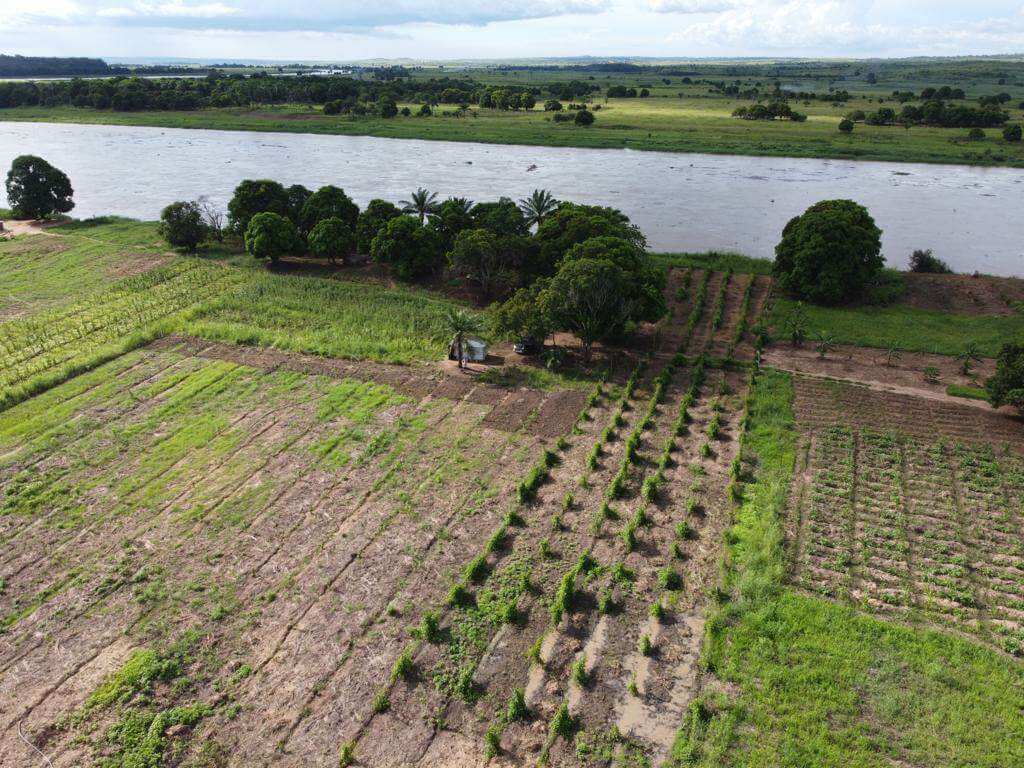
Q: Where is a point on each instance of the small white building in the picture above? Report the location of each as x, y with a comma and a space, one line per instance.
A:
475, 350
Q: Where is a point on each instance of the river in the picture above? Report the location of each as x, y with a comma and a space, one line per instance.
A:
971, 217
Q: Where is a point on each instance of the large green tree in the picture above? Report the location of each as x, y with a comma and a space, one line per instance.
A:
540, 204
372, 220
271, 236
36, 190
453, 216
254, 196
182, 225
572, 224
587, 297
331, 239
645, 281
503, 218
409, 248
328, 202
830, 254
486, 260
522, 315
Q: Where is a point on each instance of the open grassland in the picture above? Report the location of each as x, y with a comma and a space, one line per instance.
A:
663, 122
817, 682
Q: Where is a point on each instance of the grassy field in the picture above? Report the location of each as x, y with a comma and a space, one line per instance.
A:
664, 122
902, 327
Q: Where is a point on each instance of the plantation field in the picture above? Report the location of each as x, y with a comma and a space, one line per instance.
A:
228, 555
695, 122
912, 510
247, 519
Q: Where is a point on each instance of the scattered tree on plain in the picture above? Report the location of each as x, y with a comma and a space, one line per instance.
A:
36, 189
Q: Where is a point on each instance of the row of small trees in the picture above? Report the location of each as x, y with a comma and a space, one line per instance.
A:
577, 268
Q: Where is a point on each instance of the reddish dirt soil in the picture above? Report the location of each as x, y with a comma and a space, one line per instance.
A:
872, 367
964, 294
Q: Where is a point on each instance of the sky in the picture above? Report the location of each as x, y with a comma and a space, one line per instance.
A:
346, 30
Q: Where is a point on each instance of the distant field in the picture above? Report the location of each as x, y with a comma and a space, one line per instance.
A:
664, 122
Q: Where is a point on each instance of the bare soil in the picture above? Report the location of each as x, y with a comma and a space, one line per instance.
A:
964, 294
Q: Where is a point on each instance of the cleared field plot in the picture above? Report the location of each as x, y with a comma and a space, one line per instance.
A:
911, 509
41, 270
223, 555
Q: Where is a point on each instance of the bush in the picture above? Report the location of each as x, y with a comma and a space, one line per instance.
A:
846, 125
925, 262
1006, 387
1013, 132
331, 239
976, 134
182, 225
830, 254
270, 236
35, 189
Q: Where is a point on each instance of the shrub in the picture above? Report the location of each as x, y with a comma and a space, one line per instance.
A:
830, 254
1013, 133
584, 117
182, 225
1006, 387
976, 134
923, 261
846, 125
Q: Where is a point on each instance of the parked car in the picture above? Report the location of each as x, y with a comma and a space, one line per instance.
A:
528, 346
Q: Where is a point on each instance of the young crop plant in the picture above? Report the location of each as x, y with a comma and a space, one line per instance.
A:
562, 724
564, 597
629, 536
498, 540
606, 602
477, 569
533, 653
381, 701
517, 711
347, 754
657, 610
404, 667
492, 742
714, 428
578, 674
645, 646
459, 596
719, 312
429, 628
670, 579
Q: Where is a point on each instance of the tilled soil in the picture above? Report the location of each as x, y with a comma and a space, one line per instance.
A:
282, 534
911, 509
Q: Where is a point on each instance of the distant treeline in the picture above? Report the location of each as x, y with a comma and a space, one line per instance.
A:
53, 66
129, 94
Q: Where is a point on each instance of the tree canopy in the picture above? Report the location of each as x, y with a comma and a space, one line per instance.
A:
830, 254
254, 196
587, 297
326, 203
36, 189
1006, 387
182, 225
331, 239
270, 236
571, 224
411, 249
373, 218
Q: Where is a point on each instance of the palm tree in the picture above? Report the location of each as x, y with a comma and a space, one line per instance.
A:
423, 204
538, 206
460, 323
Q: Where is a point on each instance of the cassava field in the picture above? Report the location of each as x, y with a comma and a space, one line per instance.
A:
249, 519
